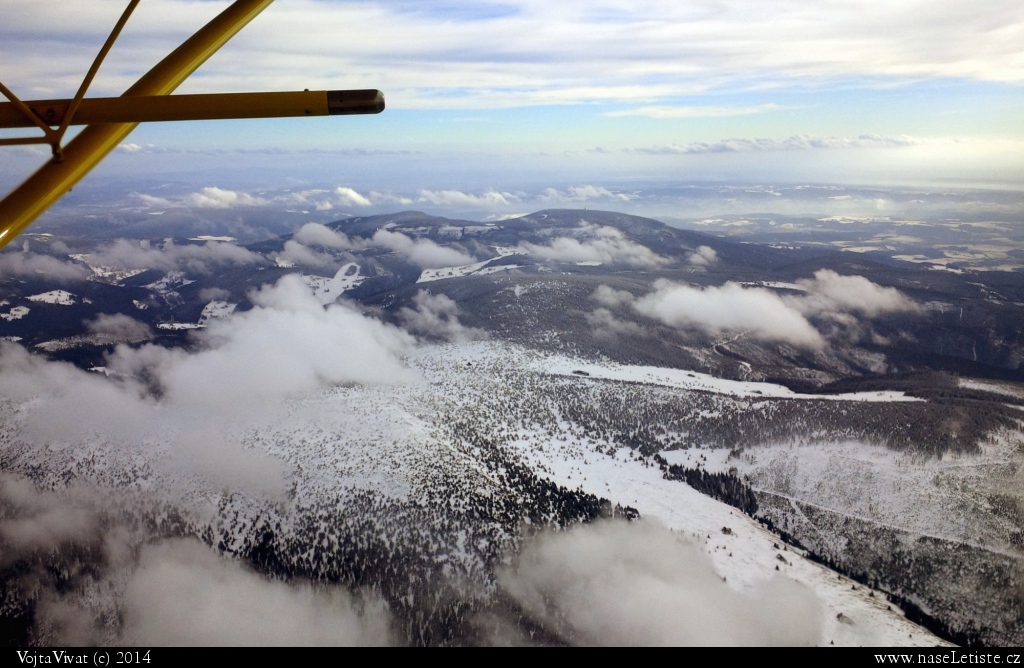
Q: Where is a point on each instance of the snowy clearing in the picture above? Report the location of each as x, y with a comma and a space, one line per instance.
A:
60, 297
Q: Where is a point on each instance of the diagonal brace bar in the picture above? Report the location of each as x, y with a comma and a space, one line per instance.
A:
92, 144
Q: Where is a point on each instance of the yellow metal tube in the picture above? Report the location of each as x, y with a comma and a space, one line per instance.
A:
92, 111
92, 144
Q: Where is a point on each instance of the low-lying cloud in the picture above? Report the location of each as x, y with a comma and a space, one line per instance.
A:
830, 292
315, 234
218, 198
349, 197
582, 194
31, 520
458, 198
424, 252
118, 328
704, 256
606, 327
603, 244
437, 316
246, 366
184, 594
35, 265
203, 259
617, 583
755, 312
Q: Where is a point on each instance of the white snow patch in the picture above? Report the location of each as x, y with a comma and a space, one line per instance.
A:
16, 313
692, 380
467, 269
61, 297
216, 309
327, 290
207, 237
179, 325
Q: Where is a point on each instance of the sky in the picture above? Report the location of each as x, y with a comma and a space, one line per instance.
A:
488, 96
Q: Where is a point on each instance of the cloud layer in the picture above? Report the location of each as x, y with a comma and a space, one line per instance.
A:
637, 584
755, 312
526, 52
595, 243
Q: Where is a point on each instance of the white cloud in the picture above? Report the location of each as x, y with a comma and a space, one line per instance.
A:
117, 328
704, 256
217, 198
829, 292
634, 583
755, 312
245, 366
295, 253
610, 297
664, 111
31, 520
182, 593
606, 327
458, 198
315, 234
349, 197
582, 194
123, 254
437, 316
28, 264
601, 244
424, 252
531, 52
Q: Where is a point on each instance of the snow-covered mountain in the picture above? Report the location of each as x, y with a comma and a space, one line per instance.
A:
570, 427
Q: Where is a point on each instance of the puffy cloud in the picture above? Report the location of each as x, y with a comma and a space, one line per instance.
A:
246, 365
424, 252
756, 312
618, 583
349, 197
300, 346
829, 292
583, 193
184, 594
315, 234
34, 265
123, 254
217, 198
704, 256
459, 198
31, 520
295, 253
118, 327
606, 327
601, 244
437, 316
610, 297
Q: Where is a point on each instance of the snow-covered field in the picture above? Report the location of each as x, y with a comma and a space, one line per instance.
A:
407, 445
61, 297
16, 313
216, 309
327, 290
692, 380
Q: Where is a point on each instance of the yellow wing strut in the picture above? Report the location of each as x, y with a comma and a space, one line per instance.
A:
110, 120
